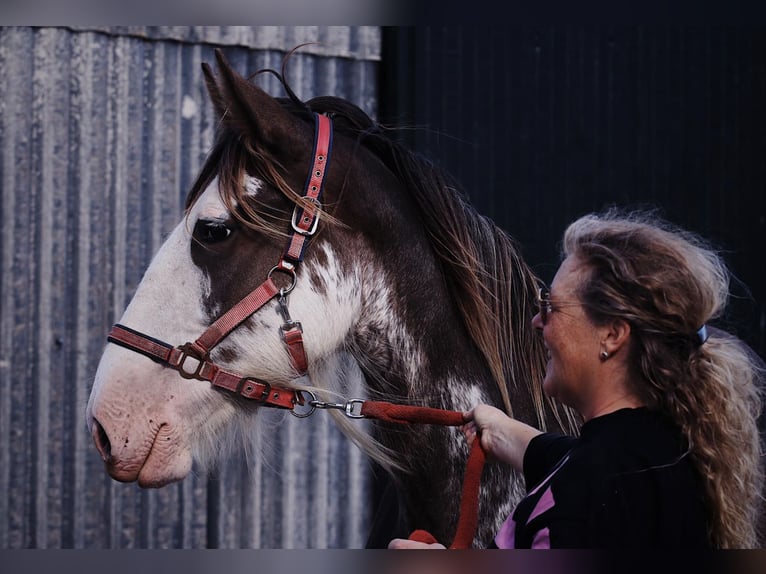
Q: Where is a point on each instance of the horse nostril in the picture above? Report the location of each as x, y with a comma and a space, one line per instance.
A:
101, 439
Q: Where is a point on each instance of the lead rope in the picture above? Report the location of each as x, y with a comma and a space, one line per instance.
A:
469, 500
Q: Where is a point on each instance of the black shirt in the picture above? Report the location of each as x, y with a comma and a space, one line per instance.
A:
625, 482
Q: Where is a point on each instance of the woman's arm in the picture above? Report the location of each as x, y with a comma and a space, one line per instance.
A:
502, 438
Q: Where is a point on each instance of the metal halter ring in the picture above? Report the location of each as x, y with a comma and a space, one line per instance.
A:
289, 271
310, 403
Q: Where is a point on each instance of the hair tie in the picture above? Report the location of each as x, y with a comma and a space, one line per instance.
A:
702, 335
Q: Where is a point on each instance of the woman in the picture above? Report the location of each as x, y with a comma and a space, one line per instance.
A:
669, 452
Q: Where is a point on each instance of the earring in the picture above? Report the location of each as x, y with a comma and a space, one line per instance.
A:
604, 355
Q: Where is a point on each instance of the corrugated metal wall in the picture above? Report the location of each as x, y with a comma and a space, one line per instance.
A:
102, 131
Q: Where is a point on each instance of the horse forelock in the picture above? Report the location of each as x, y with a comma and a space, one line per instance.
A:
239, 170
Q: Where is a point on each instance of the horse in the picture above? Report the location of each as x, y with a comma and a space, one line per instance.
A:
315, 249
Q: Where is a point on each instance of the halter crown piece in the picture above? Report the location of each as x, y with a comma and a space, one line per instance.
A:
702, 335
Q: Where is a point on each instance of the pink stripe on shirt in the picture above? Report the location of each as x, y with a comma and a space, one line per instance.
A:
505, 537
546, 502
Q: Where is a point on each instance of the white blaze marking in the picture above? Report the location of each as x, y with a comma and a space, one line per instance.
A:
168, 303
252, 186
141, 404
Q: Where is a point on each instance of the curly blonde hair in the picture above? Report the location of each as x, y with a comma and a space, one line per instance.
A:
667, 283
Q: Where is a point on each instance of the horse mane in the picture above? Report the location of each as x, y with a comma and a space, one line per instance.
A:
491, 285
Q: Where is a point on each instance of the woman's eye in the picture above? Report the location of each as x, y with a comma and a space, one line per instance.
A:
211, 231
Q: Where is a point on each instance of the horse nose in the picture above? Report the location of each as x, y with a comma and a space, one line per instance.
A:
103, 445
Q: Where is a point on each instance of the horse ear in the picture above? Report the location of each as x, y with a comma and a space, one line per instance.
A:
250, 110
213, 91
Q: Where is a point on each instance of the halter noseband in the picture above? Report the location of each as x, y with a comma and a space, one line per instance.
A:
192, 360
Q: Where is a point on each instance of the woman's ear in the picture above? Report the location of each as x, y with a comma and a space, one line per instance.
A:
616, 336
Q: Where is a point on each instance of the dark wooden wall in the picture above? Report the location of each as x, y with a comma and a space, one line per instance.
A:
541, 125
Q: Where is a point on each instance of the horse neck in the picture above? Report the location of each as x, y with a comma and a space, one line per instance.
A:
410, 342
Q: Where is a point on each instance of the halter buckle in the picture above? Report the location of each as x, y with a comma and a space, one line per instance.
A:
188, 350
296, 224
247, 386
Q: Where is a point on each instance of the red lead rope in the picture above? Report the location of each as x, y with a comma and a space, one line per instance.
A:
469, 502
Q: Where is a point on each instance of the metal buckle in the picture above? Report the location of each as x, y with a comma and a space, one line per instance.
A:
248, 388
285, 328
188, 351
314, 224
288, 322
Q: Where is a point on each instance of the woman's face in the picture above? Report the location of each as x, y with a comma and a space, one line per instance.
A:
572, 340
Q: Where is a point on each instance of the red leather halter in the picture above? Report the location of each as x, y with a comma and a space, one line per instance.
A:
192, 359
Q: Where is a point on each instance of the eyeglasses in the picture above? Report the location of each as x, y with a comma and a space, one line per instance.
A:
545, 306
544, 303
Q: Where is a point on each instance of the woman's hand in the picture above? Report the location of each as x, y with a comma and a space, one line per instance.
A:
502, 437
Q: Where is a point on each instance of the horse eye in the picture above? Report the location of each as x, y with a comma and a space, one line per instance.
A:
211, 231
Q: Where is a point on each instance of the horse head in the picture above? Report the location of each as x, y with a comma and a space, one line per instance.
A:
358, 264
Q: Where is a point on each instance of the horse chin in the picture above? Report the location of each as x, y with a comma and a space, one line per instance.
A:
168, 461
152, 474
147, 479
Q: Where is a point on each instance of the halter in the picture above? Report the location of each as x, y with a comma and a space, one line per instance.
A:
192, 359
